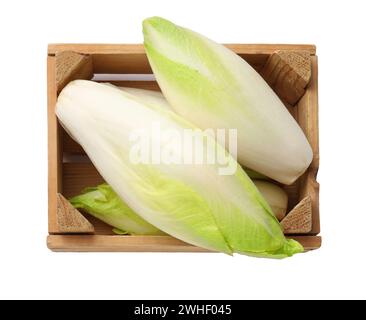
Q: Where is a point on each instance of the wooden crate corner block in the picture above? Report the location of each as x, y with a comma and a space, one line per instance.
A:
299, 219
70, 66
69, 219
288, 72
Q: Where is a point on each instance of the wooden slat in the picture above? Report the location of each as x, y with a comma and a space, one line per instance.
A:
100, 228
294, 112
137, 63
309, 242
257, 61
292, 191
132, 58
132, 63
69, 145
308, 113
54, 151
310, 187
138, 48
90, 48
78, 176
269, 48
308, 120
147, 85
85, 243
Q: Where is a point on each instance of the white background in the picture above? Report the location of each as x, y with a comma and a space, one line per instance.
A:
29, 270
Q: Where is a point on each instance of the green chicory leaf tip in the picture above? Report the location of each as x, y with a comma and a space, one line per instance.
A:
104, 204
155, 22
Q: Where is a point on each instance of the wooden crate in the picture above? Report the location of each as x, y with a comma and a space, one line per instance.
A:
70, 170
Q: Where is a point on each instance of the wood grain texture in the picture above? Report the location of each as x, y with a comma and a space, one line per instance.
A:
69, 145
69, 219
71, 66
131, 58
138, 48
308, 121
147, 85
78, 176
299, 219
54, 150
288, 73
292, 191
85, 243
100, 228
137, 63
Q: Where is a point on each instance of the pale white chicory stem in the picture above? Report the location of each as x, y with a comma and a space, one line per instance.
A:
276, 197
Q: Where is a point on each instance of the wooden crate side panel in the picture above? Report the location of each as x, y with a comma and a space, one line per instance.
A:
61, 69
86, 243
54, 152
147, 85
78, 176
137, 63
138, 48
131, 58
308, 120
292, 191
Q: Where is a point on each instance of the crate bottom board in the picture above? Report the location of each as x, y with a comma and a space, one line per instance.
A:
109, 243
